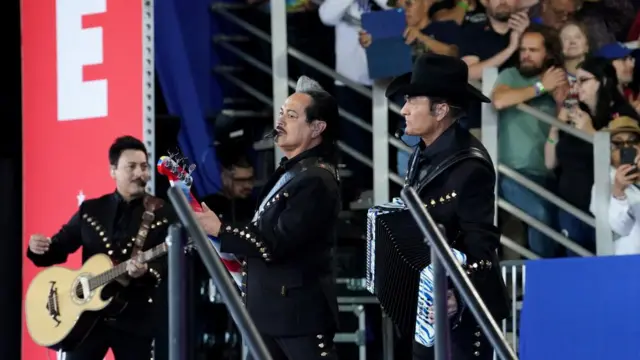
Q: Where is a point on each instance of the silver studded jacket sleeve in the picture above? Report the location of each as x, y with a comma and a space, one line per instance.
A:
310, 204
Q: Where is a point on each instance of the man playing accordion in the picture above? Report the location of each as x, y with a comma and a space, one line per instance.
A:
455, 178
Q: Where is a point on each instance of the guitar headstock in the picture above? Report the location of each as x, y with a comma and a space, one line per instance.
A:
176, 169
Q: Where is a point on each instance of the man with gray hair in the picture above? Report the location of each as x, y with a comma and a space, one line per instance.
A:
288, 281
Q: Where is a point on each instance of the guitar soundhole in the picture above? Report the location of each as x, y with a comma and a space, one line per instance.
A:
81, 290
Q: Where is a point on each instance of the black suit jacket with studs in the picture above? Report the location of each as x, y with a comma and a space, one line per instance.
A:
94, 229
461, 198
288, 280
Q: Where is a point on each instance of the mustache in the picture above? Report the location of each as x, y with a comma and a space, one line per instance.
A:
140, 182
274, 133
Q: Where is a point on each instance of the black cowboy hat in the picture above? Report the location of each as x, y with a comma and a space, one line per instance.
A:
437, 75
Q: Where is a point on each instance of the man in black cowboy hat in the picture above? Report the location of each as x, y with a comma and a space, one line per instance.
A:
451, 169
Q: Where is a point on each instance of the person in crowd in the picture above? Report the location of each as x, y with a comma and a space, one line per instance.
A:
424, 35
462, 12
556, 13
571, 157
494, 43
624, 63
233, 202
108, 225
541, 82
634, 30
606, 20
351, 62
624, 204
575, 47
289, 284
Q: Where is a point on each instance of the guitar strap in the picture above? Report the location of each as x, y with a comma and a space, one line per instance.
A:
151, 204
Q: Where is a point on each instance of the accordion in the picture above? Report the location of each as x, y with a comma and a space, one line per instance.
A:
398, 269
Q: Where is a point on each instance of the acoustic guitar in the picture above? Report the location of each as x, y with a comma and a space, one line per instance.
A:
62, 305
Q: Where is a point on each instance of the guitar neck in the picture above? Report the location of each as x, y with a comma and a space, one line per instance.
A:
121, 269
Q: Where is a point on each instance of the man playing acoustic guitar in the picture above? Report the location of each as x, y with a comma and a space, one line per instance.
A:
113, 225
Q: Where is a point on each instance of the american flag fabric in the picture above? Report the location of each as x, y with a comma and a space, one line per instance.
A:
178, 177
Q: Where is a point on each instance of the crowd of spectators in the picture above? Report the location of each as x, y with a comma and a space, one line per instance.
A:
565, 58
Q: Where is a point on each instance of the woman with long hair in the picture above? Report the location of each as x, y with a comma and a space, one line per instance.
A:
599, 102
575, 48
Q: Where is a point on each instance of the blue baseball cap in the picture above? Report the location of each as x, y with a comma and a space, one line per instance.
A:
613, 51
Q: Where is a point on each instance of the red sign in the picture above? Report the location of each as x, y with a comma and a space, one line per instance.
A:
82, 87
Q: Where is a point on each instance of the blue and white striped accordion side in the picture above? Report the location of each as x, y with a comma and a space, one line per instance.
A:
399, 271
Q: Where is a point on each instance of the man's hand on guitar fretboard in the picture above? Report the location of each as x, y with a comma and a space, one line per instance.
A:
135, 269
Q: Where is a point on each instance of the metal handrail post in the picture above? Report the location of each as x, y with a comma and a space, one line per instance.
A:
460, 280
279, 62
442, 345
489, 127
602, 192
380, 134
219, 275
177, 293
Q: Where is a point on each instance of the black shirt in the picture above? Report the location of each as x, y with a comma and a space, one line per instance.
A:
479, 39
473, 16
575, 170
123, 218
231, 210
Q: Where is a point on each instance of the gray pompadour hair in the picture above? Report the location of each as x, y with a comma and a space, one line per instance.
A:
306, 83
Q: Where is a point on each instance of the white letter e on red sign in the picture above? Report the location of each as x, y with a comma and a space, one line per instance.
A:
77, 47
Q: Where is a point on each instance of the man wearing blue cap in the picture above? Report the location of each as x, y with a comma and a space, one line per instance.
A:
623, 61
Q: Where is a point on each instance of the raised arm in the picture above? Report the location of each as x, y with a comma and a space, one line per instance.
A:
505, 96
476, 67
332, 11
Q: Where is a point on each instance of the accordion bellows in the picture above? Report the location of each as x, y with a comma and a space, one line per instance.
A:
397, 263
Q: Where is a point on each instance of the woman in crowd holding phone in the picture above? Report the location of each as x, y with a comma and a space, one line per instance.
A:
572, 158
624, 205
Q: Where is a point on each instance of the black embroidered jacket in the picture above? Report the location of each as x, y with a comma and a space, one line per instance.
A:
289, 285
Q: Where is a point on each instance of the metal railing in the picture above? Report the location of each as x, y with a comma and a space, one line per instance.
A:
219, 275
444, 263
382, 137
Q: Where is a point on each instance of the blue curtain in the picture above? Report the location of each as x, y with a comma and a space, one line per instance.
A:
184, 59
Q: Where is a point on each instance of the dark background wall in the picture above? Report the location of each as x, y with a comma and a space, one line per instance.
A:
10, 182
